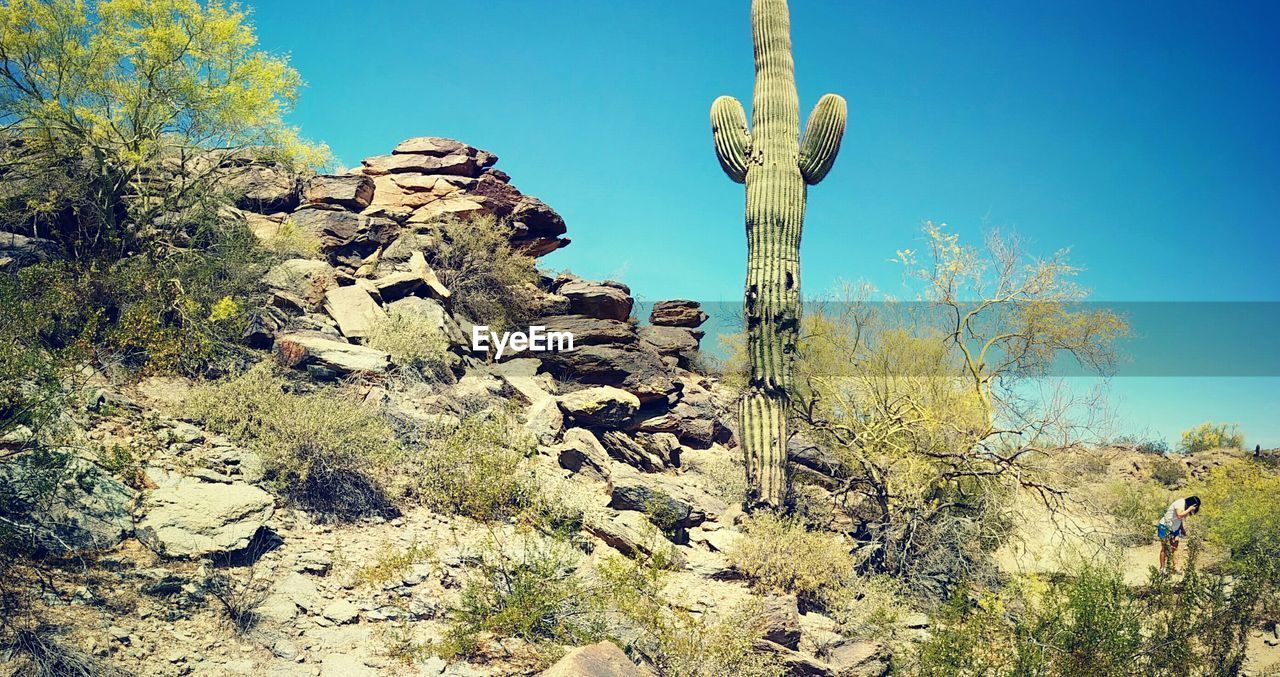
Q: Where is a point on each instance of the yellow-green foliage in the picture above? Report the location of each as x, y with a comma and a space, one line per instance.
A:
474, 469
320, 448
528, 589
674, 640
390, 564
106, 93
488, 278
780, 554
411, 340
868, 607
1211, 436
1241, 512
1135, 507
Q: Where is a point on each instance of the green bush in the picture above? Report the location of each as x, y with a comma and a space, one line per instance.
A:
1135, 507
473, 469
319, 449
1091, 623
1208, 436
535, 594
780, 554
488, 278
673, 640
1241, 513
411, 340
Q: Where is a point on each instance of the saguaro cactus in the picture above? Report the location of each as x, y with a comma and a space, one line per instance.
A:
776, 165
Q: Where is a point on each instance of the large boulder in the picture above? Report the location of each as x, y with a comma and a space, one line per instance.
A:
306, 349
456, 165
305, 279
352, 191
696, 420
582, 453
196, 519
605, 300
602, 659
779, 621
262, 188
346, 238
602, 406
635, 369
675, 341
660, 497
353, 309
590, 330
88, 509
433, 312
677, 313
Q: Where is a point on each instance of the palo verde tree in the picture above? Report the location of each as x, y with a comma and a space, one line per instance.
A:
938, 412
119, 114
776, 165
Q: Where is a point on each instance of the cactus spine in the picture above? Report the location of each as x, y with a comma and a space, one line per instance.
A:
776, 165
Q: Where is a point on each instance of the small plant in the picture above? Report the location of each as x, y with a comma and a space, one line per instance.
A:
487, 277
390, 564
533, 593
1135, 507
473, 470
319, 449
411, 340
673, 640
780, 554
1208, 436
239, 599
39, 652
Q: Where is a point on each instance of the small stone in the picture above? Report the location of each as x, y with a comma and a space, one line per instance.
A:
341, 612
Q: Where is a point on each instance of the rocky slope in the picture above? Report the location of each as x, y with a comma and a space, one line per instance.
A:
621, 420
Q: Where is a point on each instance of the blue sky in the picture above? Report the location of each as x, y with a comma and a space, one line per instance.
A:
1141, 135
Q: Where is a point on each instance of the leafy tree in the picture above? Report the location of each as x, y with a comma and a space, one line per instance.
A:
1209, 435
120, 114
935, 409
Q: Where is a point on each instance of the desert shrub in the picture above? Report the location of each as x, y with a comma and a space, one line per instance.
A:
1241, 503
673, 640
529, 589
868, 607
1210, 435
1135, 507
390, 563
473, 469
411, 340
238, 597
780, 554
488, 278
1090, 622
1168, 471
290, 242
180, 311
40, 652
319, 449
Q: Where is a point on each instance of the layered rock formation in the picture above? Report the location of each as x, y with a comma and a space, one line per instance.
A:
376, 235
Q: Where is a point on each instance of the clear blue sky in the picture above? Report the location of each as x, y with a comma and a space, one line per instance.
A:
1143, 135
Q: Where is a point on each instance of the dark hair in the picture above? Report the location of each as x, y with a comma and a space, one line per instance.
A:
1193, 502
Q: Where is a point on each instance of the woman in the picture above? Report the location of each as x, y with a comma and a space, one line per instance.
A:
1172, 527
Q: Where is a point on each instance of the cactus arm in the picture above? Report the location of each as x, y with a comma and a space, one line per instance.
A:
733, 141
822, 137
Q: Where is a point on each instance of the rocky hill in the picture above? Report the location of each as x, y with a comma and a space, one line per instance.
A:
192, 530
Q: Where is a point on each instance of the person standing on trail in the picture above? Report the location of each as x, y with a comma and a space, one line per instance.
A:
1172, 527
